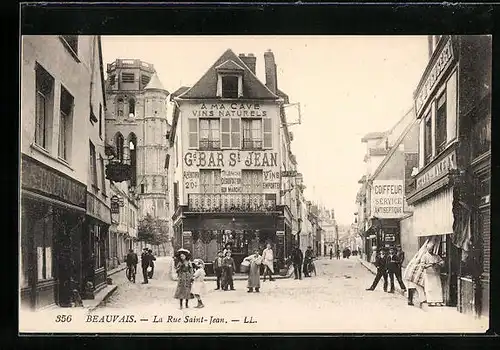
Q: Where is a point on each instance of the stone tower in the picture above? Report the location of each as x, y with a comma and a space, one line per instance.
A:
136, 125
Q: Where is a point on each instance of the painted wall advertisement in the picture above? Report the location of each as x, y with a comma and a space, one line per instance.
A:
387, 199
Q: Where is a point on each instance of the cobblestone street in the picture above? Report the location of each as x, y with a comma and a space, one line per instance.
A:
333, 301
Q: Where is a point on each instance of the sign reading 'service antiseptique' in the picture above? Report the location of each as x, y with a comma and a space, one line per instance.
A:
387, 198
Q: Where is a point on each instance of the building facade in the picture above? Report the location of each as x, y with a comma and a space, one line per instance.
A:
123, 230
453, 106
137, 127
226, 162
62, 189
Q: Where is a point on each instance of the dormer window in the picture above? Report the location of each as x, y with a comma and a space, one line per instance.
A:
229, 80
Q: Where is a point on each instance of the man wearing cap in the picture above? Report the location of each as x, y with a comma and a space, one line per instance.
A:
145, 262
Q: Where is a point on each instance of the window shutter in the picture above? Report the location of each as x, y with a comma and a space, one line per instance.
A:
193, 132
235, 133
225, 133
268, 133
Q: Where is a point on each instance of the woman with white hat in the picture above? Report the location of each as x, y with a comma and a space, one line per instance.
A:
198, 287
185, 276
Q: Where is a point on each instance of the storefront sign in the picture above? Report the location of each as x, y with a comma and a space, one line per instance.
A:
390, 237
442, 167
98, 209
433, 75
288, 173
219, 110
230, 159
35, 176
387, 198
280, 232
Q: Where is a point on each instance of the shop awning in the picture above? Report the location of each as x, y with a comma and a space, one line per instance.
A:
434, 216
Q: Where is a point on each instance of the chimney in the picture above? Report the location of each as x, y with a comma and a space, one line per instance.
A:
250, 61
270, 67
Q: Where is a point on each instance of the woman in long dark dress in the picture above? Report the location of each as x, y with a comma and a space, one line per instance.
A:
185, 272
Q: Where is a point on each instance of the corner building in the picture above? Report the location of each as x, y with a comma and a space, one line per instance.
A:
225, 161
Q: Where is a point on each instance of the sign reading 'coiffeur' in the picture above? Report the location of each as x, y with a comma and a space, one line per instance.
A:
433, 75
442, 167
387, 198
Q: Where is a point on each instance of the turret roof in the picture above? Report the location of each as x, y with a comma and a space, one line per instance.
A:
155, 84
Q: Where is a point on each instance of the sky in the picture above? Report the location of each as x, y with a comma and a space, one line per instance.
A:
347, 86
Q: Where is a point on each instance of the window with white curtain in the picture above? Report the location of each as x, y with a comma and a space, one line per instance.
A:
252, 181
210, 180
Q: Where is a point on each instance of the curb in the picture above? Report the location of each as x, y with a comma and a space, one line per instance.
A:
106, 297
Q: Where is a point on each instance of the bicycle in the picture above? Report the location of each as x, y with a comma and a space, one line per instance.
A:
130, 273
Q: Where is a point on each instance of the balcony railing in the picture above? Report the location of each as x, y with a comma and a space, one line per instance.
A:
252, 144
231, 202
209, 145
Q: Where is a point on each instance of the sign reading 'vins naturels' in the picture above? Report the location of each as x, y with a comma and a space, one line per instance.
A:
232, 159
220, 110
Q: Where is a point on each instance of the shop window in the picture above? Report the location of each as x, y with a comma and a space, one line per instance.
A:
72, 42
65, 121
210, 180
252, 133
193, 132
103, 174
268, 133
441, 124
428, 139
230, 86
128, 77
93, 166
43, 106
209, 134
480, 134
251, 181
43, 243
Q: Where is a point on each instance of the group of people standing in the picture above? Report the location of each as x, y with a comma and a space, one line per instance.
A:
147, 261
302, 262
422, 274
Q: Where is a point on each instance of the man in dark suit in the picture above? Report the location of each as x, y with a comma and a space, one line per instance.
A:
394, 265
152, 259
217, 264
145, 262
297, 258
381, 265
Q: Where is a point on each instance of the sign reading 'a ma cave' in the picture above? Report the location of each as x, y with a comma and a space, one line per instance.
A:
387, 199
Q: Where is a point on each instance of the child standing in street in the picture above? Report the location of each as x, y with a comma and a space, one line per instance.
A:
228, 268
198, 287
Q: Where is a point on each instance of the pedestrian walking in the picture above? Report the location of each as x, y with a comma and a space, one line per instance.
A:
338, 254
184, 271
268, 261
331, 253
255, 261
308, 256
145, 262
393, 266
228, 269
198, 288
151, 264
297, 259
217, 264
381, 264
132, 261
